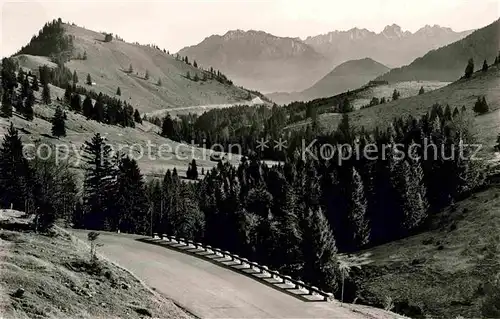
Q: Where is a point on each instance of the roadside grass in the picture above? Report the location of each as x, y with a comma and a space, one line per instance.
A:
442, 273
51, 276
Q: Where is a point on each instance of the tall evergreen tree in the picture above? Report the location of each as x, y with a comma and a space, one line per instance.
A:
76, 102
485, 66
357, 215
15, 174
132, 206
46, 94
6, 110
87, 107
28, 105
99, 185
58, 123
421, 91
137, 117
118, 91
75, 77
319, 251
89, 79
469, 69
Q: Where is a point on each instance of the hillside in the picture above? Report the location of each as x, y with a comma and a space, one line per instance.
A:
261, 61
165, 153
108, 65
349, 75
446, 272
456, 94
392, 47
51, 276
448, 63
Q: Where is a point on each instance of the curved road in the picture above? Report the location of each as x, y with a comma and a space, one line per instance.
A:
208, 290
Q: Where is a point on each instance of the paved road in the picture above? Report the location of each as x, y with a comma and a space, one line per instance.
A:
208, 290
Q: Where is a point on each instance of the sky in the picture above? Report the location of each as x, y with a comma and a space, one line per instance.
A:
174, 24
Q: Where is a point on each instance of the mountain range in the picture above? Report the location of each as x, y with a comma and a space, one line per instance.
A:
448, 63
268, 63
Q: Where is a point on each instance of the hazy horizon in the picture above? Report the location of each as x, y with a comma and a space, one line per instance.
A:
176, 24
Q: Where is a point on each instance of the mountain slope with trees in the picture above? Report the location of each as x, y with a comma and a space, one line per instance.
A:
149, 78
261, 61
448, 63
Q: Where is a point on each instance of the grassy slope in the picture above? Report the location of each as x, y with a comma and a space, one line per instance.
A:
442, 272
462, 92
59, 281
108, 61
79, 130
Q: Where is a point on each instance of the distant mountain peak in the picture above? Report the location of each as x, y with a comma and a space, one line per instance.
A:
394, 31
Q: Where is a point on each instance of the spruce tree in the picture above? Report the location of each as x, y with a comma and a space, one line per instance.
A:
46, 94
130, 69
132, 206
357, 212
395, 95
28, 106
196, 78
6, 110
98, 111
159, 82
137, 117
485, 66
76, 103
85, 55
469, 69
118, 91
319, 251
188, 75
15, 174
481, 106
99, 185
67, 94
195, 64
58, 123
75, 77
87, 107
89, 79
421, 91
146, 75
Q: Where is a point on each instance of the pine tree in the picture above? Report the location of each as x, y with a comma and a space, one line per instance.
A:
76, 103
98, 110
319, 251
195, 64
485, 66
118, 91
15, 174
481, 106
89, 79
196, 78
421, 91
75, 77
132, 206
6, 110
87, 108
46, 94
188, 76
168, 128
469, 69
146, 75
28, 106
58, 123
395, 95
67, 94
357, 212
99, 185
137, 117
85, 55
